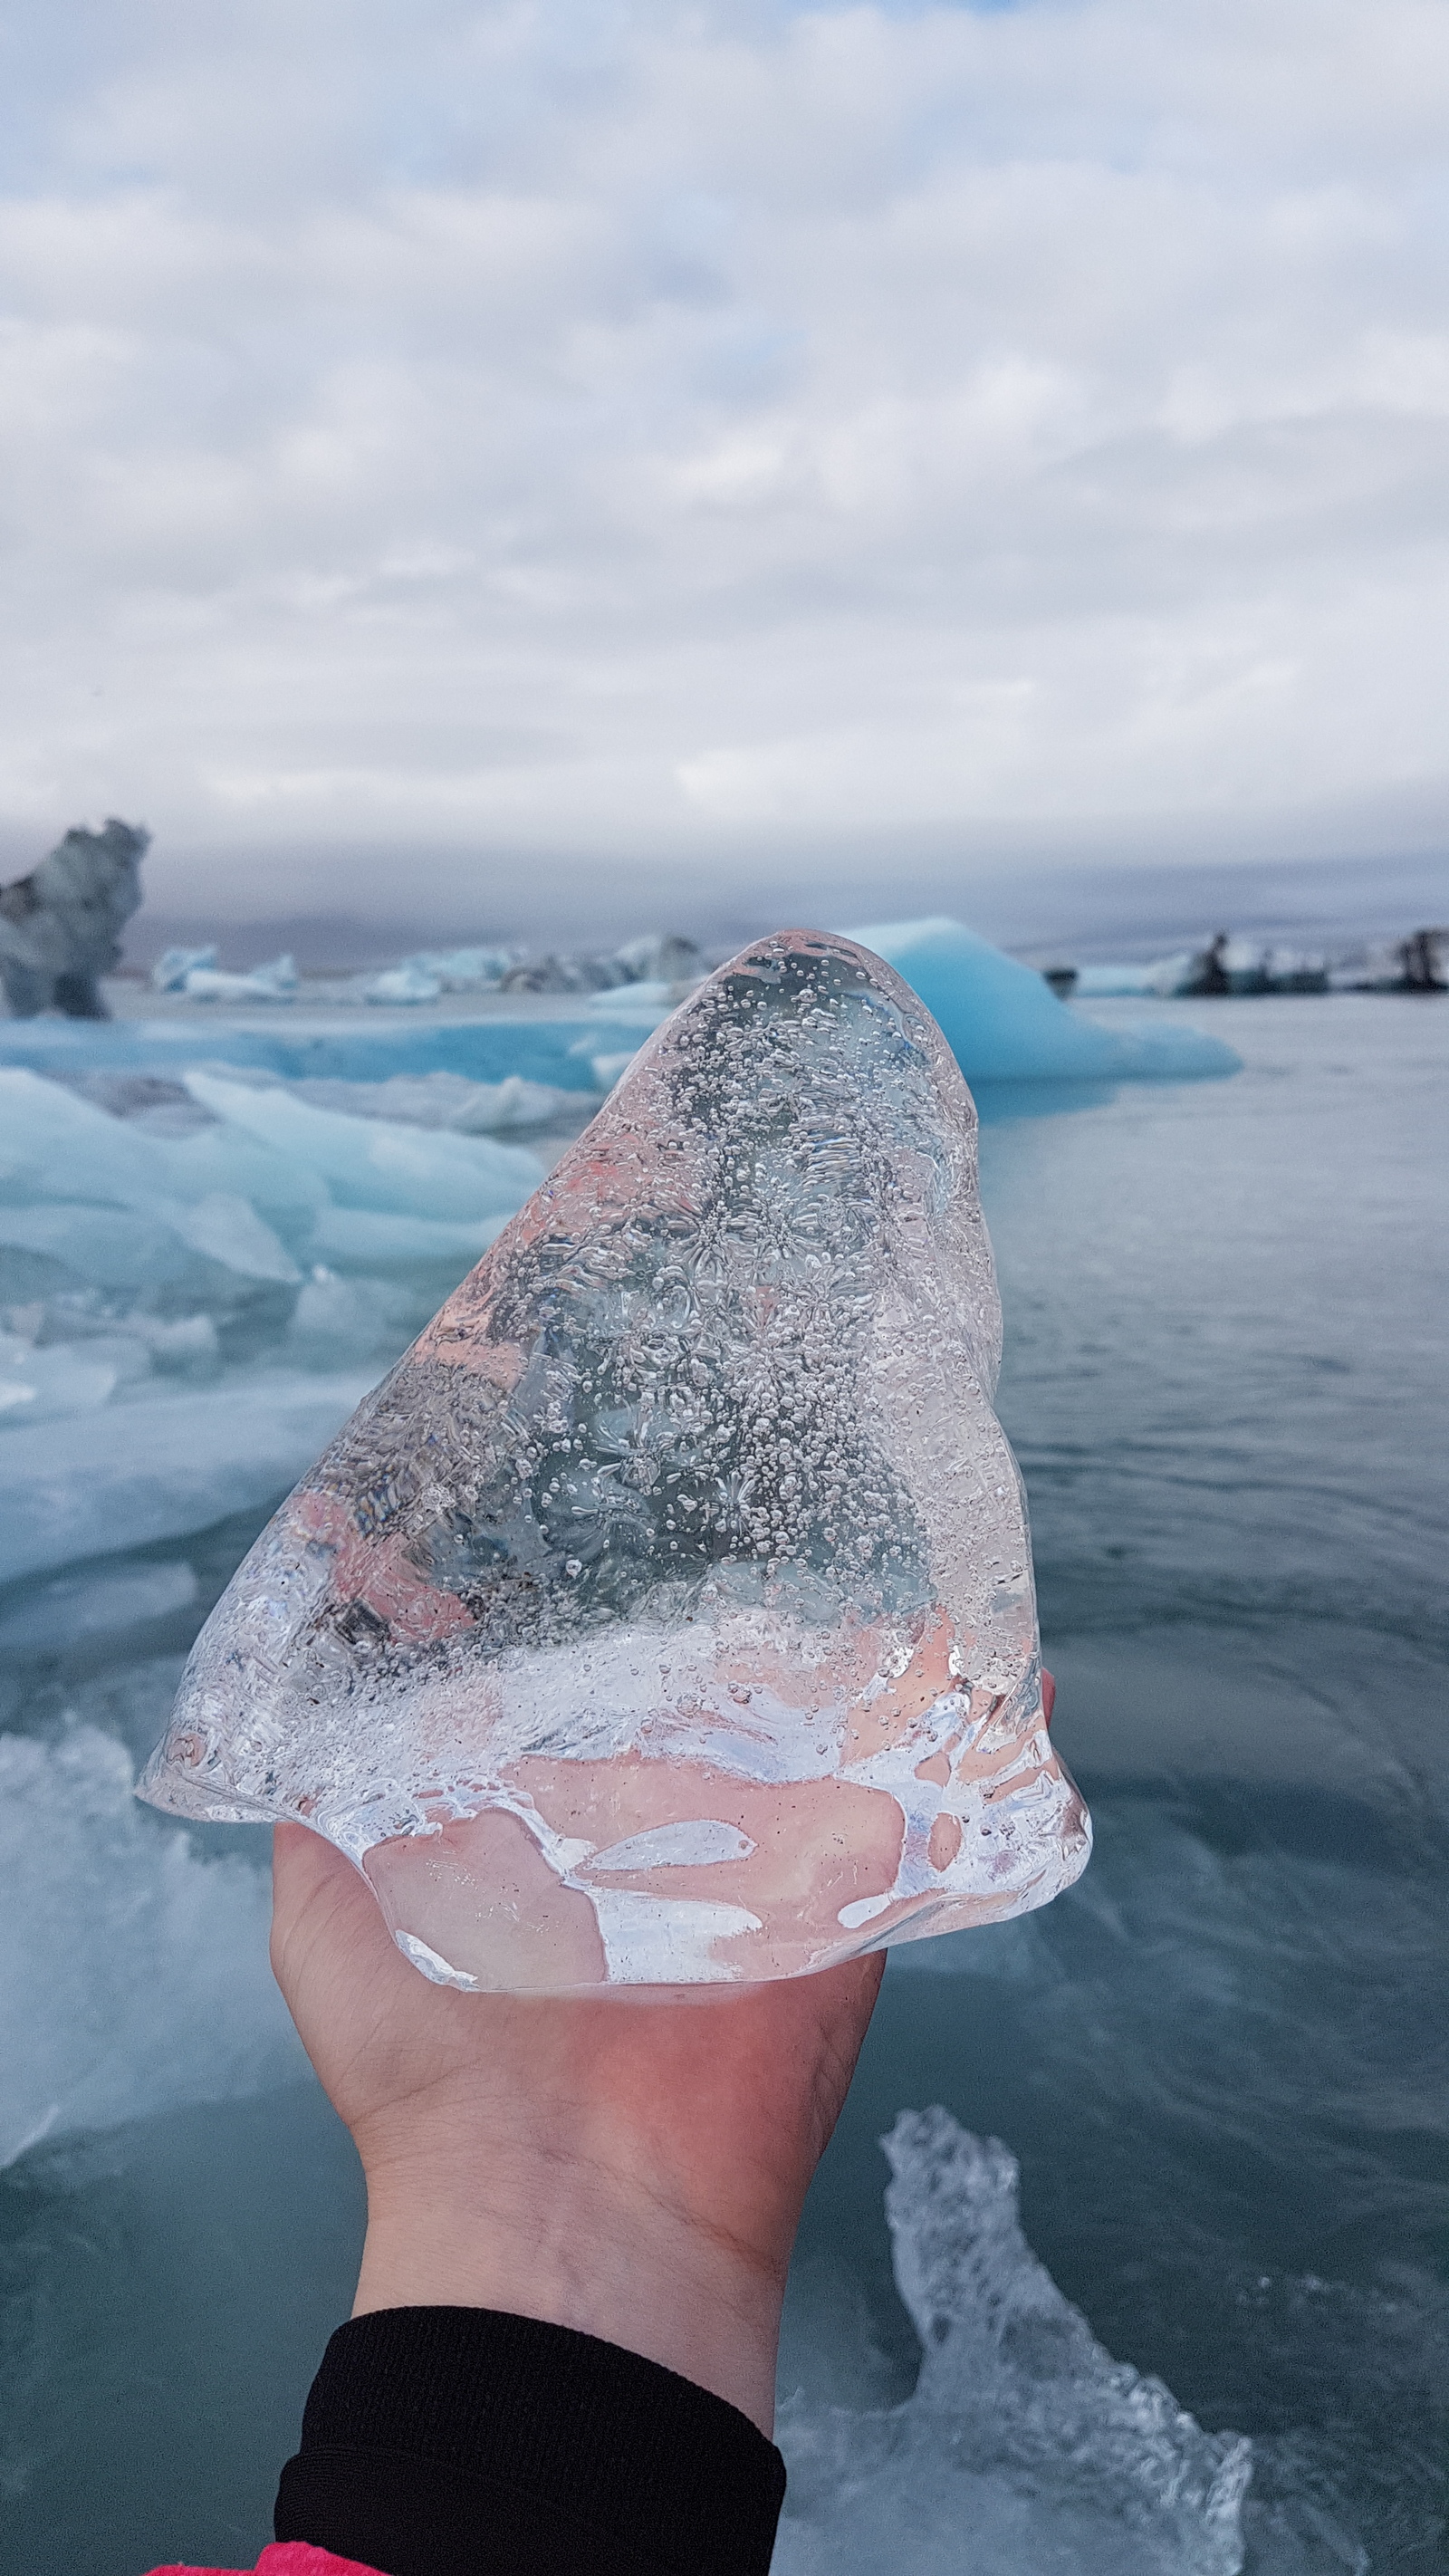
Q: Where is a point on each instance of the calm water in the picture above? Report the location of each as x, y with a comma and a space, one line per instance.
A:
1220, 2060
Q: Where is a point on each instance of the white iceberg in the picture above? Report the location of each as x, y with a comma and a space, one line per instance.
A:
411, 982
172, 967
442, 1099
276, 981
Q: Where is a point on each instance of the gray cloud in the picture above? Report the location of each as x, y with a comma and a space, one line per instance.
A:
681, 435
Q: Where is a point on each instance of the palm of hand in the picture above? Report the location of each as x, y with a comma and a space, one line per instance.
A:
634, 2168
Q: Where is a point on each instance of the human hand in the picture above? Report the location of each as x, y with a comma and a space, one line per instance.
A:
631, 2168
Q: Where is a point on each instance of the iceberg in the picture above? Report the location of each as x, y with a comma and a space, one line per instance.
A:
466, 970
277, 981
124, 1208
338, 1320
135, 1967
375, 1163
60, 926
382, 1239
161, 1466
172, 967
110, 1248
1024, 2445
62, 1614
224, 1227
37, 1383
1003, 1023
411, 982
666, 1617
443, 1100
432, 972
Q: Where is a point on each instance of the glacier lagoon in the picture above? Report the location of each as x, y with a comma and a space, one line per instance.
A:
1213, 2059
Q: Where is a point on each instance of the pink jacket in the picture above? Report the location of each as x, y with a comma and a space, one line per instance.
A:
283, 2558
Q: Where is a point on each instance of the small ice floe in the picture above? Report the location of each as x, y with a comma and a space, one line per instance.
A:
1024, 2449
276, 981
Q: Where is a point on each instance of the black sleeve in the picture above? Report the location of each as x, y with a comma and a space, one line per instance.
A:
463, 2442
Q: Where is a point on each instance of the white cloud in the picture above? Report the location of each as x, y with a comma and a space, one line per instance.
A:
682, 430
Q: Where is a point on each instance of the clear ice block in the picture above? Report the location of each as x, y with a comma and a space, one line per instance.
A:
666, 1617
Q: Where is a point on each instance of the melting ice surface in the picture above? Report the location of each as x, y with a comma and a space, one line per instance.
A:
667, 1615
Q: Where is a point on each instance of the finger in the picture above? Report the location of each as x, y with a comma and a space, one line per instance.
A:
318, 1896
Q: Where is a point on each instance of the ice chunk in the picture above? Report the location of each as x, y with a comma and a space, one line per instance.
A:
1166, 976
161, 1466
227, 1158
375, 1163
1024, 2444
227, 1230
466, 970
172, 967
1003, 1023
64, 1378
647, 1003
687, 1517
372, 1239
95, 1605
409, 982
111, 1247
339, 1320
55, 1145
609, 1069
443, 1100
276, 981
186, 1343
135, 1969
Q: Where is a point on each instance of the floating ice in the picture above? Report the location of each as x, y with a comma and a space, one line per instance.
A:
466, 970
276, 981
376, 1239
36, 1385
159, 1467
135, 1969
410, 982
646, 1002
435, 971
1025, 2446
1003, 1023
686, 1527
172, 967
349, 1319
442, 1100
95, 1605
1164, 977
373, 1162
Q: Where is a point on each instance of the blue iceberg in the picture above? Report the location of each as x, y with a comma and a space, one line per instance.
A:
1004, 1024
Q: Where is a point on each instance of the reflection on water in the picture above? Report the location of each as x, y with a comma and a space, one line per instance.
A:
1219, 2061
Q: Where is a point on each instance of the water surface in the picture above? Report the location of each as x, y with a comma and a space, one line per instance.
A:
1220, 2060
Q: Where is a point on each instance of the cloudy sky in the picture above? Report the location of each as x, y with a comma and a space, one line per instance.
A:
580, 435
